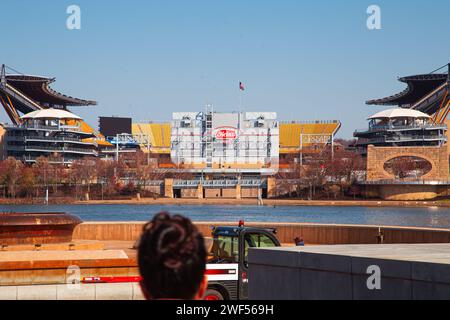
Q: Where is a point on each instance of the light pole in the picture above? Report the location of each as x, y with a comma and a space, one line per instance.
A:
117, 148
148, 150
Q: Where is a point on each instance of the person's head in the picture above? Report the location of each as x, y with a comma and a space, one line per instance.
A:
172, 259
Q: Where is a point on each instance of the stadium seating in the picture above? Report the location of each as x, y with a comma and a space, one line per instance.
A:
290, 134
157, 133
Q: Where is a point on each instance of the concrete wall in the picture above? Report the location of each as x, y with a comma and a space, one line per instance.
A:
229, 193
189, 193
408, 192
197, 193
405, 192
23, 273
371, 192
120, 291
286, 232
291, 274
271, 188
249, 193
155, 189
378, 156
212, 193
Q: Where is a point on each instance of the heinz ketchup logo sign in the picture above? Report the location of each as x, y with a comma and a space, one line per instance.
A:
226, 134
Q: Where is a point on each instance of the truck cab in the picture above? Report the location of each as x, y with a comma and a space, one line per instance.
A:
227, 267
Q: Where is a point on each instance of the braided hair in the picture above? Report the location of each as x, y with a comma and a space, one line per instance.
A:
172, 257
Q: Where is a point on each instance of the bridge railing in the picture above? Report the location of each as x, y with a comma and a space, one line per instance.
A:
406, 182
219, 183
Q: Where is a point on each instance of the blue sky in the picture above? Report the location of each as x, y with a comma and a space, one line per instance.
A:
305, 60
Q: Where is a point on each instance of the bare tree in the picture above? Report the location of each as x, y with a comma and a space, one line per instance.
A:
407, 167
85, 170
42, 171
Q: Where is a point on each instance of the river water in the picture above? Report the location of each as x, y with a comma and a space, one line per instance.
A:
412, 217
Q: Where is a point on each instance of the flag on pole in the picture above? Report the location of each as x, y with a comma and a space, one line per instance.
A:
241, 86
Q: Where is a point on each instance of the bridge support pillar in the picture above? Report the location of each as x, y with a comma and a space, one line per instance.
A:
271, 188
200, 191
238, 192
168, 188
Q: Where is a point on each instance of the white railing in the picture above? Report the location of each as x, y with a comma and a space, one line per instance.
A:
404, 127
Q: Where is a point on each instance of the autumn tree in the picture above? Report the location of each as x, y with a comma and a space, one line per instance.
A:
108, 174
27, 181
10, 172
42, 171
56, 171
343, 166
84, 171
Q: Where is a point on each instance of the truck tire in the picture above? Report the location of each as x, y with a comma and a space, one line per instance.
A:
213, 295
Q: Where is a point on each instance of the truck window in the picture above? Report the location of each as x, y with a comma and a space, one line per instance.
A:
224, 250
256, 241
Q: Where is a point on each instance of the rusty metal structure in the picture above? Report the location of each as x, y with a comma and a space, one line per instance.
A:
36, 228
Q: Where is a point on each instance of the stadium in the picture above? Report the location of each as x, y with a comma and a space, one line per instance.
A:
406, 148
206, 153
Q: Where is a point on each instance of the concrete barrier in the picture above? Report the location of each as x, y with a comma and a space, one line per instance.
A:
406, 272
66, 293
120, 291
47, 292
8, 293
316, 234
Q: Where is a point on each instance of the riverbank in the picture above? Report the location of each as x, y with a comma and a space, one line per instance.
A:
271, 202
234, 202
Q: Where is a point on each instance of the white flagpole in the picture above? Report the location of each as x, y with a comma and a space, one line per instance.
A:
240, 100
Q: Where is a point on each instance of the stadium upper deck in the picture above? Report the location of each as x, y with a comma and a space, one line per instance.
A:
420, 120
27, 93
428, 93
39, 89
22, 94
